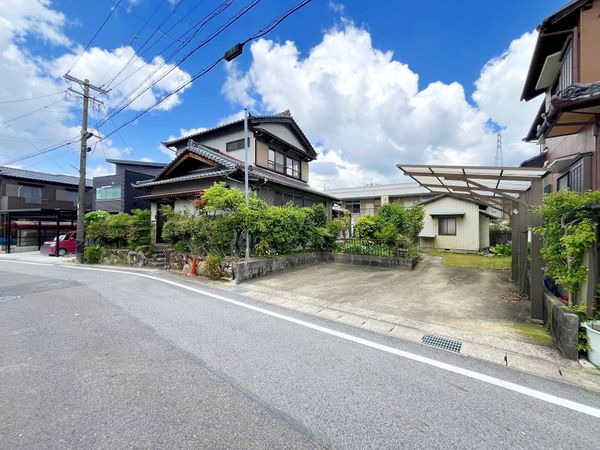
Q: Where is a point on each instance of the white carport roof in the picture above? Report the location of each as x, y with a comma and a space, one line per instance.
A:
485, 184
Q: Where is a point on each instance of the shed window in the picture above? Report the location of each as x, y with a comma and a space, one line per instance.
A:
353, 206
447, 226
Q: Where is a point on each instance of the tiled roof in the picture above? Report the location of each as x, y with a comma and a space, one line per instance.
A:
282, 115
41, 176
286, 181
206, 173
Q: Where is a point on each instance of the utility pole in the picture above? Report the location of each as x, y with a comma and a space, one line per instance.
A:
246, 192
85, 135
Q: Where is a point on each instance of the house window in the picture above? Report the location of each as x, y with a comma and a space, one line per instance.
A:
31, 194
292, 167
563, 182
447, 226
353, 206
576, 178
63, 195
565, 78
278, 162
236, 145
108, 193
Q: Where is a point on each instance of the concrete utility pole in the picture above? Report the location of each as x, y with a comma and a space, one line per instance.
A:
246, 192
85, 135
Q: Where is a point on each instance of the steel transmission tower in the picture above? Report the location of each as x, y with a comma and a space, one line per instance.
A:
499, 159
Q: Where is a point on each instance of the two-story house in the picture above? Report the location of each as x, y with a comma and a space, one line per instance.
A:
35, 206
278, 159
116, 193
565, 68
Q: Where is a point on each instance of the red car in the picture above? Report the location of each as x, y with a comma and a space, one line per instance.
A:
67, 243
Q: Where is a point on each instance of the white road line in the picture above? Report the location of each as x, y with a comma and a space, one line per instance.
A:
549, 398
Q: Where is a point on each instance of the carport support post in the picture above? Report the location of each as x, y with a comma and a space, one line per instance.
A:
57, 248
537, 274
7, 234
523, 250
514, 253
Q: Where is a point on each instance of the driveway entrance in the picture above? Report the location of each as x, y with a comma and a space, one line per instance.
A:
477, 301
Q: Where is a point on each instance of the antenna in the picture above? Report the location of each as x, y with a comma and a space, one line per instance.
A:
499, 158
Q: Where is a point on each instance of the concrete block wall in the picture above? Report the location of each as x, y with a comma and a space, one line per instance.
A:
563, 325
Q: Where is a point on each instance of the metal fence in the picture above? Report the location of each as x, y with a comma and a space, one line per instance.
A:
372, 247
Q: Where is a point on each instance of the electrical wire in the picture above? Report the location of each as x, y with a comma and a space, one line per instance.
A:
134, 56
133, 39
26, 99
216, 33
203, 72
112, 11
27, 114
210, 67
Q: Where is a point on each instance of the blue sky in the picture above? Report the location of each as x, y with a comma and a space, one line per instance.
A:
439, 51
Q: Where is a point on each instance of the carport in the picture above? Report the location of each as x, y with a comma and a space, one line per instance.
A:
42, 219
517, 192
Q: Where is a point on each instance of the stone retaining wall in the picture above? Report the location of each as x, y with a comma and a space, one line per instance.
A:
563, 325
126, 257
246, 270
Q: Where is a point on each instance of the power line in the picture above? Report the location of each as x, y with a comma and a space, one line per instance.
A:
196, 28
165, 20
26, 99
113, 9
207, 69
122, 105
133, 39
176, 40
27, 114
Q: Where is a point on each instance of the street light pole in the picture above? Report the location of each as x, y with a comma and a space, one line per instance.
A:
246, 192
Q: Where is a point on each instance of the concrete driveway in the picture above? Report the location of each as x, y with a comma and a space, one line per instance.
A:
482, 302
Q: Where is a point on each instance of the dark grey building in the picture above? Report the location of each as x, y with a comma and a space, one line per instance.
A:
25, 190
115, 194
36, 206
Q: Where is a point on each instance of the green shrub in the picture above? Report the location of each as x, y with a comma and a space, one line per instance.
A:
92, 254
213, 266
501, 249
395, 215
139, 230
367, 227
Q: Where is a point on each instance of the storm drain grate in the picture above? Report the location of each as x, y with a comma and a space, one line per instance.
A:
8, 298
441, 342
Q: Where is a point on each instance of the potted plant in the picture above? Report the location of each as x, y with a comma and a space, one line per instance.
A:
592, 328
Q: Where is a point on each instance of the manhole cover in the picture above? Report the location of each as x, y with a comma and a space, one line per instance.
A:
8, 298
441, 342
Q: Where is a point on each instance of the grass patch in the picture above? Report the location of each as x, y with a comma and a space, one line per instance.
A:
473, 261
535, 334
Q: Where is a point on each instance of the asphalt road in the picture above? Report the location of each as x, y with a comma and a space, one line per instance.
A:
102, 359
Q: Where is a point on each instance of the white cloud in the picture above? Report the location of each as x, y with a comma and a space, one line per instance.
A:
33, 17
137, 77
338, 8
27, 75
366, 110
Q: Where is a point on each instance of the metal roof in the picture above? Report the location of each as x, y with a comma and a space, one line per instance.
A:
377, 190
42, 177
484, 184
136, 163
